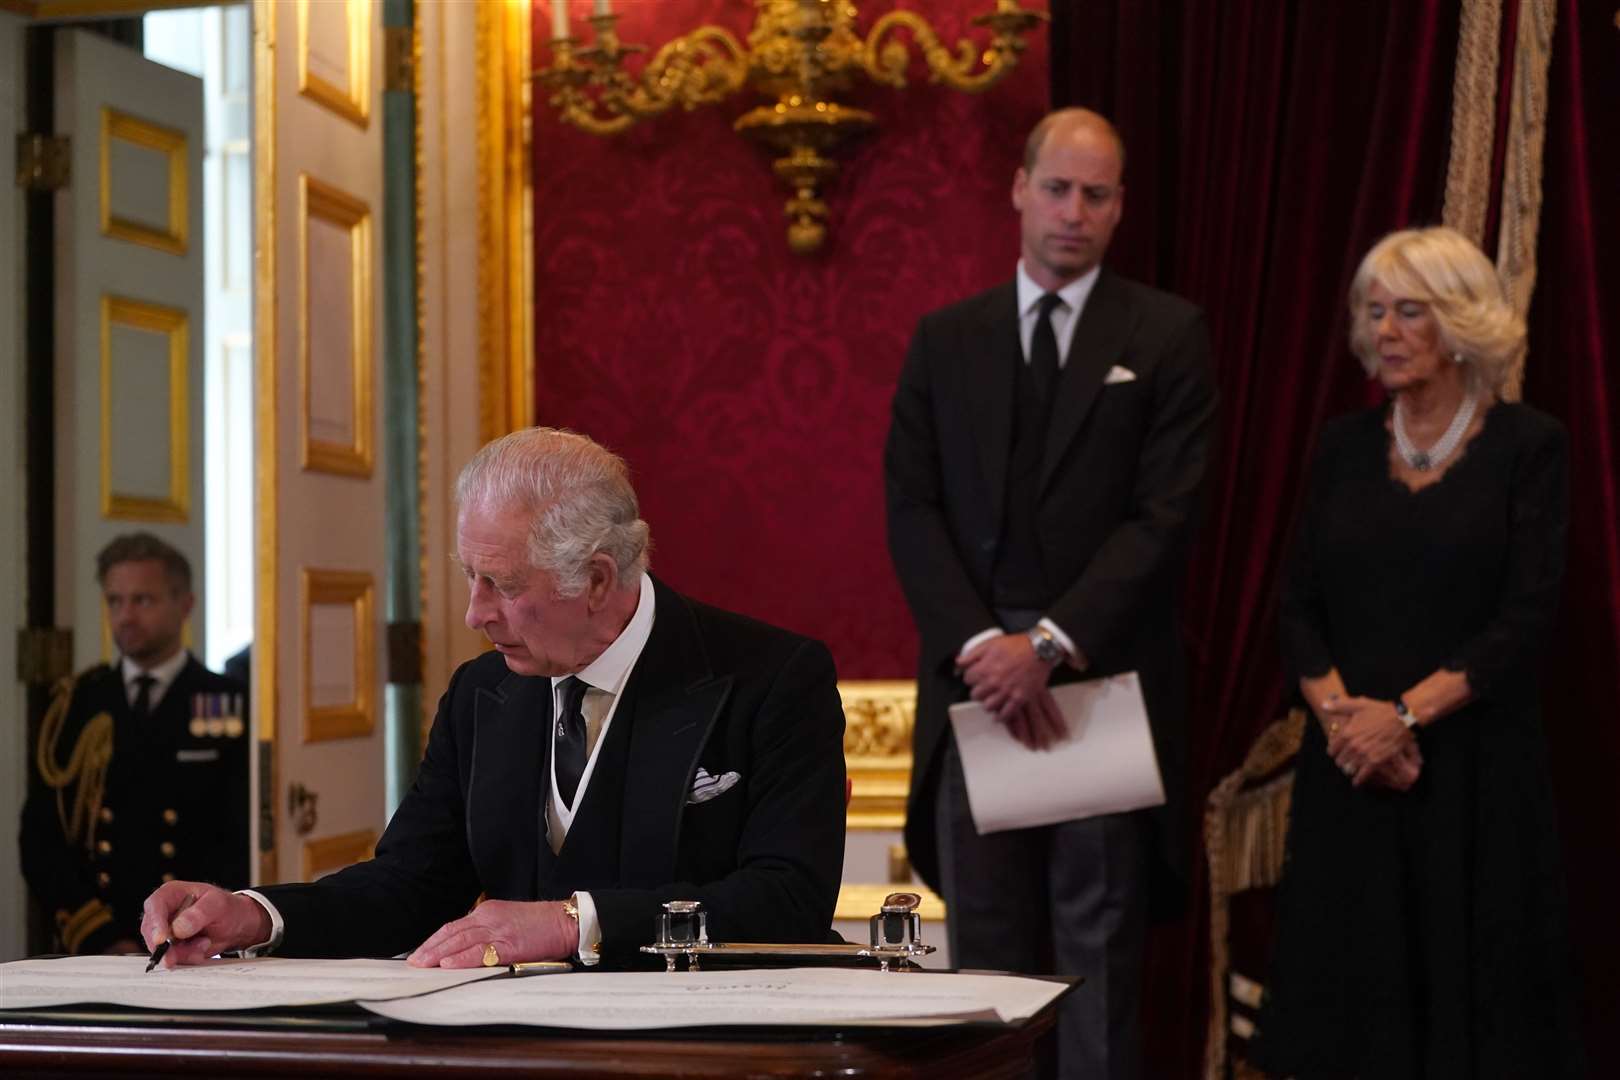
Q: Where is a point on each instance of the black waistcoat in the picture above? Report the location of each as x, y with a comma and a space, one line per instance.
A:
1019, 577
589, 858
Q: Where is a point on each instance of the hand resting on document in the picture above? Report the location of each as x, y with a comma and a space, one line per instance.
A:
205, 920
521, 931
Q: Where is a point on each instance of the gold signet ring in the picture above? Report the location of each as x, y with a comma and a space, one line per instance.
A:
1333, 728
491, 957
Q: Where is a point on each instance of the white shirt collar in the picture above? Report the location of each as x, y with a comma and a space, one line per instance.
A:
163, 674
1073, 294
609, 670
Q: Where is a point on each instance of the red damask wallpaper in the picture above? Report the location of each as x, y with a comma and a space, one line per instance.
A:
748, 387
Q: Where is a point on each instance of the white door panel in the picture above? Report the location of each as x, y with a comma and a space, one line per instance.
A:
129, 326
321, 504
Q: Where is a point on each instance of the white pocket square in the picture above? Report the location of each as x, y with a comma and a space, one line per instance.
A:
1117, 374
706, 786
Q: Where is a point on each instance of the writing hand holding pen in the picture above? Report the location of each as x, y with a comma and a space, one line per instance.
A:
198, 921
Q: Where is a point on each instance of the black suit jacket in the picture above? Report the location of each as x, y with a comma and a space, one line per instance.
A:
1121, 473
711, 689
175, 805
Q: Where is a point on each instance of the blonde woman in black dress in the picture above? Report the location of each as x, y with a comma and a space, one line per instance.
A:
1421, 915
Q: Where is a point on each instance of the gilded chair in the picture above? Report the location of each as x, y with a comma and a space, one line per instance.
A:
1245, 826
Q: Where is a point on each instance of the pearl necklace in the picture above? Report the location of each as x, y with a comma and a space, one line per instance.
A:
1444, 447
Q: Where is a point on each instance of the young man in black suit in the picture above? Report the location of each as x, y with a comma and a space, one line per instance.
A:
142, 764
621, 747
1048, 443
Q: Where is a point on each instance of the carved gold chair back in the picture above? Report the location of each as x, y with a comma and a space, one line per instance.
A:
1245, 826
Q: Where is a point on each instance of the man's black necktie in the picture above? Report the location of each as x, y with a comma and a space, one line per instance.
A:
569, 744
1043, 348
143, 696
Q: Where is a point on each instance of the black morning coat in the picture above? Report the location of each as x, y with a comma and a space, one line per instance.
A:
1120, 480
712, 690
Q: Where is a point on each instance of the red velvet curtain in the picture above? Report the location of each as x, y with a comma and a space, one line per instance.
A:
749, 387
1270, 145
1573, 372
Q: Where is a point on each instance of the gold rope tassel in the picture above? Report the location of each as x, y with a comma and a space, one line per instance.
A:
1521, 182
1473, 118
86, 767
1258, 820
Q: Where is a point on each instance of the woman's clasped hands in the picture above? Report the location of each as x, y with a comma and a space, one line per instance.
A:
1370, 744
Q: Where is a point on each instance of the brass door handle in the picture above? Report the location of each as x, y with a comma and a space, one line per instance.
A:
301, 805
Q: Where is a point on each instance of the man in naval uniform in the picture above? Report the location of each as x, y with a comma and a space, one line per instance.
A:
142, 765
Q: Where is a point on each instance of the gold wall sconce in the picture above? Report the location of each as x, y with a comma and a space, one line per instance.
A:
802, 53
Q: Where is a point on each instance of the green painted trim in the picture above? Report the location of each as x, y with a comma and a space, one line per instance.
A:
401, 439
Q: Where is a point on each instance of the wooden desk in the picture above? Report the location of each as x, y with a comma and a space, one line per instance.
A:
109, 1044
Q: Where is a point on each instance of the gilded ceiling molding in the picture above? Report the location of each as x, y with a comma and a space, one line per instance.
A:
505, 221
1473, 118
1521, 186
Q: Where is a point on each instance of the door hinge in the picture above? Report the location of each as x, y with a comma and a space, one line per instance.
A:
405, 652
43, 162
44, 654
267, 811
399, 59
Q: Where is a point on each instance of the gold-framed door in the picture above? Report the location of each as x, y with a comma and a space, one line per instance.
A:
320, 496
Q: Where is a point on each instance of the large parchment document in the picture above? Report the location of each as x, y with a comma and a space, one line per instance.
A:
1106, 764
624, 1001
221, 985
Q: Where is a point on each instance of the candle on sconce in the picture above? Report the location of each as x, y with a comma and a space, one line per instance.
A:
559, 19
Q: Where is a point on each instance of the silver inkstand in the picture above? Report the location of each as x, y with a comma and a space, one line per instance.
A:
895, 933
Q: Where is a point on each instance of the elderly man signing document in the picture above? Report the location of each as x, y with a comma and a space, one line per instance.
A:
620, 747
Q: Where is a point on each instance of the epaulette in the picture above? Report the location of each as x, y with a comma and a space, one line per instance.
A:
94, 669
68, 683
62, 697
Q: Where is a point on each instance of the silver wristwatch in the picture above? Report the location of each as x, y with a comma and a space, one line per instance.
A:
1405, 715
1047, 649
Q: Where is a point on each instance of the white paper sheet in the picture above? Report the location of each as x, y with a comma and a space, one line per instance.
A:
1106, 765
640, 1000
221, 985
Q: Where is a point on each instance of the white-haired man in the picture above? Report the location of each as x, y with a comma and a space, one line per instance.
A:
620, 747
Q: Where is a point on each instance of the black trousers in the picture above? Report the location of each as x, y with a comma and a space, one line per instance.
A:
1066, 899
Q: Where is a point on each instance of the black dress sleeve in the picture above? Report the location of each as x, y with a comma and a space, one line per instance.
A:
1303, 623
1538, 524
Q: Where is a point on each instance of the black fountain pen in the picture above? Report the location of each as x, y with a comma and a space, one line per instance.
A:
157, 954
